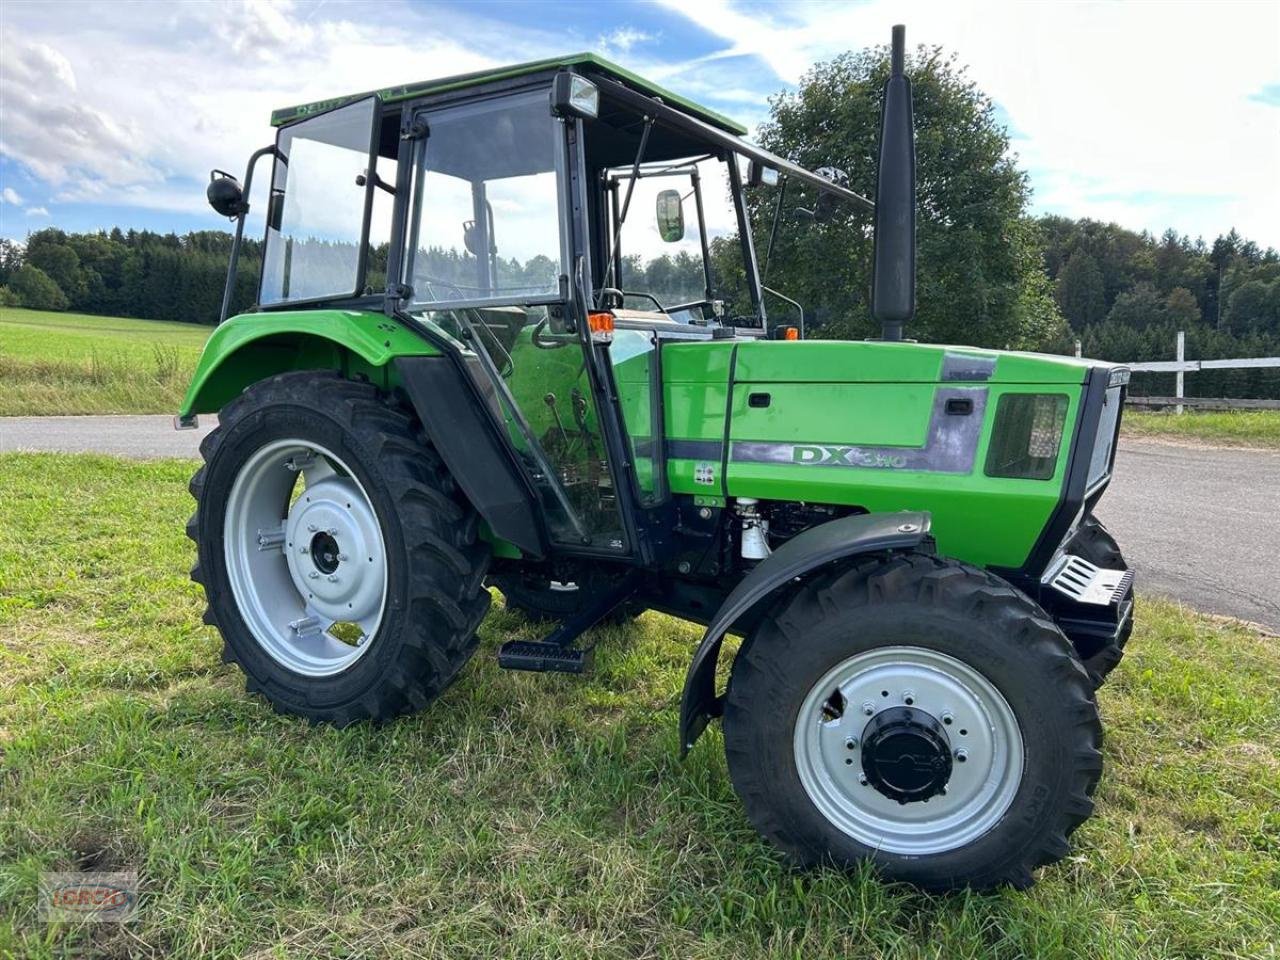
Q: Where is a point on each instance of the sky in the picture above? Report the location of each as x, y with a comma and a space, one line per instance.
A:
1150, 114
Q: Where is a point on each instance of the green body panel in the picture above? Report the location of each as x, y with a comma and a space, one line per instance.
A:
254, 346
589, 61
872, 395
844, 361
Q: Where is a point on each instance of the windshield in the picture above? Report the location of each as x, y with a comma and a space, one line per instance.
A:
316, 210
678, 249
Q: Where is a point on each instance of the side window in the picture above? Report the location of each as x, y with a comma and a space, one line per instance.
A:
315, 216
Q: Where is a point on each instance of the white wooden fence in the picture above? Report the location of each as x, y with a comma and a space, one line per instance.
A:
1182, 366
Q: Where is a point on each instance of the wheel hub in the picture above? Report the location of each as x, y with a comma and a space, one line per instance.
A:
324, 552
908, 750
906, 754
307, 567
336, 552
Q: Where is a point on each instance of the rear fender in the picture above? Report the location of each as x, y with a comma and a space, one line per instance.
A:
798, 557
252, 347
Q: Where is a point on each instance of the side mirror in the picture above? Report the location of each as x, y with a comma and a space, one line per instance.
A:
225, 194
826, 207
471, 238
670, 215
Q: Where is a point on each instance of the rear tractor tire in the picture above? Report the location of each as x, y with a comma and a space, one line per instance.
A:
917, 713
1095, 544
340, 562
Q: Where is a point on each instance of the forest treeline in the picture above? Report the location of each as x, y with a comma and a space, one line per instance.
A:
1123, 294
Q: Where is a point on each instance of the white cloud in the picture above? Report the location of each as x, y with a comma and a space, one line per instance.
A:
10, 195
1134, 112
620, 41
133, 109
37, 212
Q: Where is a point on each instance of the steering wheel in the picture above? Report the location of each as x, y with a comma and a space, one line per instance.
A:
454, 290
554, 342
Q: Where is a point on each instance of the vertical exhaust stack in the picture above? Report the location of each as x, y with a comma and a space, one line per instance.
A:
893, 290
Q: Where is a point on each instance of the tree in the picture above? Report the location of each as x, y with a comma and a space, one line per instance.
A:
977, 262
1181, 308
35, 290
1254, 307
1079, 291
10, 259
49, 250
1138, 309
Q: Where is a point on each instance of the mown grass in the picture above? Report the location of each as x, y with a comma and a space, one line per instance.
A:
1238, 428
71, 363
538, 816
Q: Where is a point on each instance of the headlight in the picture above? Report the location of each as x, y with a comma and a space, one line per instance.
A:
574, 95
1027, 435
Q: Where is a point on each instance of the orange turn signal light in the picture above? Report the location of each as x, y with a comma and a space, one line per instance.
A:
791, 333
601, 326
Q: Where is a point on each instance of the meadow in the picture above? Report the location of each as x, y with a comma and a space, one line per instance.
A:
534, 815
71, 363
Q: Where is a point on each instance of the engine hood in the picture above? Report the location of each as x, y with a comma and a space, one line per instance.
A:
845, 361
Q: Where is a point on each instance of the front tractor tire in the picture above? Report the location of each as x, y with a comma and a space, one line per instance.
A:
340, 563
1094, 543
917, 713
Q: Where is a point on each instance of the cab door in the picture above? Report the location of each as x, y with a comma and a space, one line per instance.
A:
487, 263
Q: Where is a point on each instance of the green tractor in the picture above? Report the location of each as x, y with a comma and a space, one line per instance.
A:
471, 365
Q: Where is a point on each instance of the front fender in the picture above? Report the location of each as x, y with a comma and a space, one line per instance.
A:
254, 346
803, 553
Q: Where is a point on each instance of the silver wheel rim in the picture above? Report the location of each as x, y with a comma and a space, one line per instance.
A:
978, 722
308, 570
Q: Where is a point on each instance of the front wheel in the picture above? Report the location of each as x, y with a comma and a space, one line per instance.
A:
340, 562
918, 713
1095, 543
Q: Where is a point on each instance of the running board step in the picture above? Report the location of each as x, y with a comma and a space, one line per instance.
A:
540, 657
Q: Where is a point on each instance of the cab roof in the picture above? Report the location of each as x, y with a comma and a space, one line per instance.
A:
586, 63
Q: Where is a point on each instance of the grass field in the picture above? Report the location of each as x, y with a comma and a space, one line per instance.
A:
538, 816
69, 363
1243, 428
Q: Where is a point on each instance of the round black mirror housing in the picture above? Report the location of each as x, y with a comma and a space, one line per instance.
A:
225, 194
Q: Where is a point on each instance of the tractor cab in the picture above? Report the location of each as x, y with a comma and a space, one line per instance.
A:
552, 226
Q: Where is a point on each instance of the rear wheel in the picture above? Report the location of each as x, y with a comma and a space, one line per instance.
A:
340, 563
1095, 544
918, 713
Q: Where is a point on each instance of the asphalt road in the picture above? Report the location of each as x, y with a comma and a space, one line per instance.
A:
1200, 524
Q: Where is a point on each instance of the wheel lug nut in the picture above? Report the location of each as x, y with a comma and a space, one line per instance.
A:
851, 743
908, 697
312, 528
304, 549
333, 578
342, 558
332, 531
868, 708
948, 719
862, 779
961, 755
313, 575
